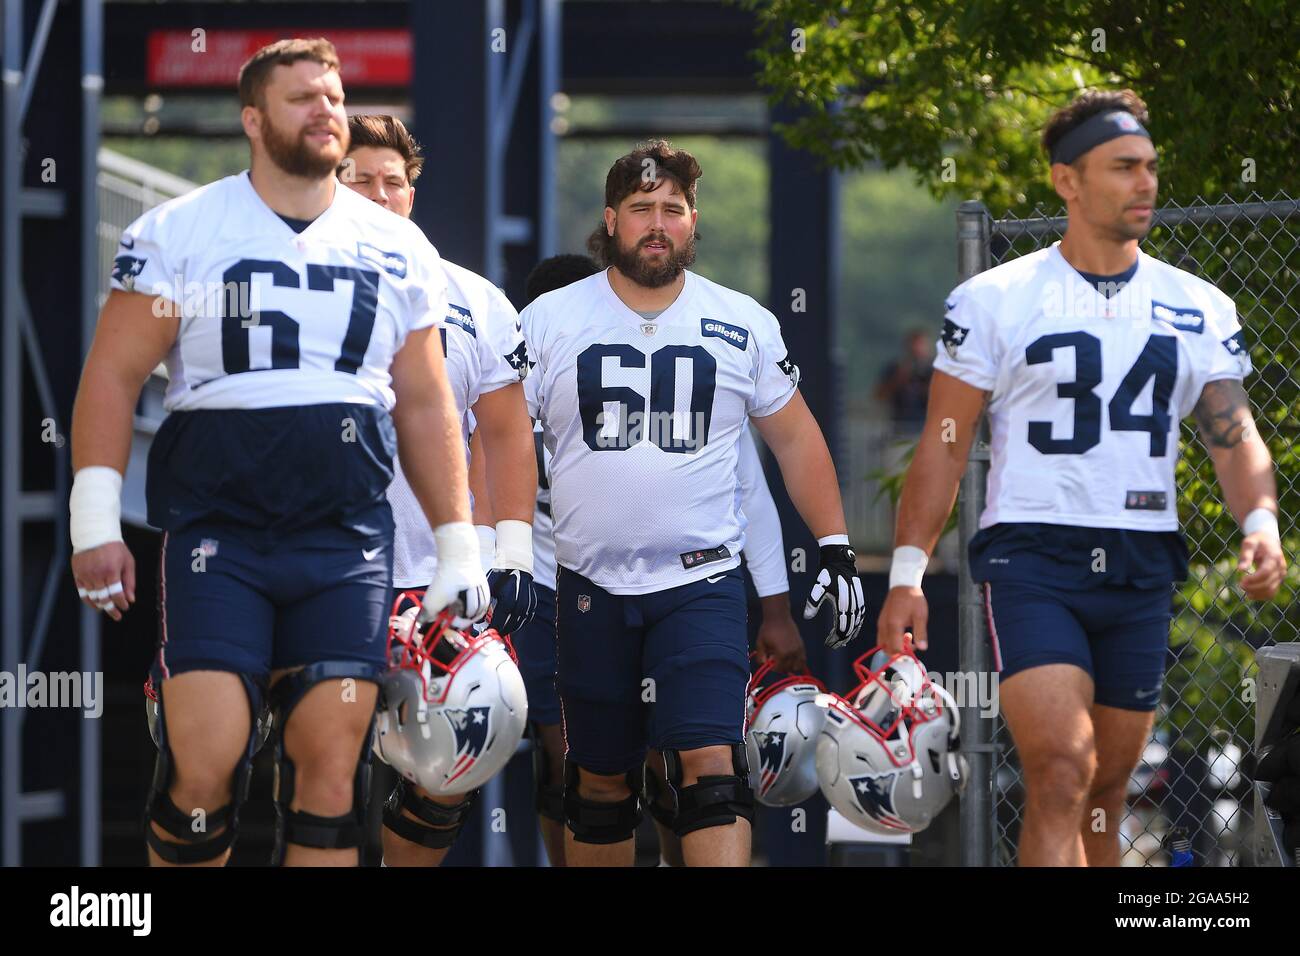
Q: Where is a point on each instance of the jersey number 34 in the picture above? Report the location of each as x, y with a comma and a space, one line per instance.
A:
1158, 360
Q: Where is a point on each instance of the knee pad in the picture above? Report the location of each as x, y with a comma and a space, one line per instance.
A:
549, 794
595, 821
713, 801
654, 789
296, 826
197, 846
438, 824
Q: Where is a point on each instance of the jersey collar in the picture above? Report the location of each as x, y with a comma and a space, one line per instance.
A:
666, 317
271, 216
1105, 306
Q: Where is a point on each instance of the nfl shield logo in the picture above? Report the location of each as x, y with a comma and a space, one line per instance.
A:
208, 547
649, 328
584, 603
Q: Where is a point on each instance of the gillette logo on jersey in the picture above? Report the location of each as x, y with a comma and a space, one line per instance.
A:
470, 727
728, 333
1086, 391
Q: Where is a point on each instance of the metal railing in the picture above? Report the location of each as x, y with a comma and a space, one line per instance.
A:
1192, 776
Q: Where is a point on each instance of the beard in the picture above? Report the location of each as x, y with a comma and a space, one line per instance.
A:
295, 157
636, 267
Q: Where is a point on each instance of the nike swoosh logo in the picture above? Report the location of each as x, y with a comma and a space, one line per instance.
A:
715, 580
369, 555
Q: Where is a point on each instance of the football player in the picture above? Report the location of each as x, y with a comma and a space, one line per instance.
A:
1087, 355
778, 635
646, 375
299, 326
486, 361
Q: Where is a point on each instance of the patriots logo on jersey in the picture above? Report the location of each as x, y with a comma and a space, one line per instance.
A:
393, 263
1235, 344
126, 268
789, 370
462, 318
1183, 319
953, 336
875, 795
518, 360
471, 729
771, 751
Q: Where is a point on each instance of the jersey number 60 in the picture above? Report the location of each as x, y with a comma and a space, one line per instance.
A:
672, 430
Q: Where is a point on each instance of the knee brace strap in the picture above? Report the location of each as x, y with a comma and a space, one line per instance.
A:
600, 822
712, 801
654, 789
438, 824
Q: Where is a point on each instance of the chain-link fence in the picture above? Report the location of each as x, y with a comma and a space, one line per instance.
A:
1192, 780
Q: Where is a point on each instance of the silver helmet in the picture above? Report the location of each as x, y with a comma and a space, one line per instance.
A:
887, 757
452, 706
782, 722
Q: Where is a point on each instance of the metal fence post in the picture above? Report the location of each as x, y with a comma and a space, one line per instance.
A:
973, 234
1279, 682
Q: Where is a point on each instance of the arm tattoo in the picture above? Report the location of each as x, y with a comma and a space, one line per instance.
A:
1223, 414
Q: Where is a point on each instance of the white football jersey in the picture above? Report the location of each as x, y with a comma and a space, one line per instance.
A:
1087, 393
485, 351
273, 318
543, 526
643, 420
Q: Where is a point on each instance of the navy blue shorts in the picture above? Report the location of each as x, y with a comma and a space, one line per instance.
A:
666, 670
320, 594
535, 645
1120, 636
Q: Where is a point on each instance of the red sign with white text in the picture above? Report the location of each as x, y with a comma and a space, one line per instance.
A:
179, 58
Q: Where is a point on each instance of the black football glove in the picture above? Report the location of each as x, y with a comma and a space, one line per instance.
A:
514, 601
837, 582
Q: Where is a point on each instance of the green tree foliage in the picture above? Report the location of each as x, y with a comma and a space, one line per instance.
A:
917, 83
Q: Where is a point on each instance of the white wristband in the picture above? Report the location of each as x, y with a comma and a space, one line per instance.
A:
908, 567
832, 539
95, 507
487, 544
514, 546
1261, 519
457, 544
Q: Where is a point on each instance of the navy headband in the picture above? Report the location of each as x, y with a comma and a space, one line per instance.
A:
1094, 131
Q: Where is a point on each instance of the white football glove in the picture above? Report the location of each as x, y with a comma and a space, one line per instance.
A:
459, 585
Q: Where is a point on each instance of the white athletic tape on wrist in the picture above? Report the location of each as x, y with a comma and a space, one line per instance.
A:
487, 544
832, 539
95, 507
908, 567
1261, 519
514, 546
457, 544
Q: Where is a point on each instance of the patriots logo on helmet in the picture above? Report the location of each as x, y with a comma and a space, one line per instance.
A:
126, 268
518, 360
470, 726
771, 751
875, 795
953, 336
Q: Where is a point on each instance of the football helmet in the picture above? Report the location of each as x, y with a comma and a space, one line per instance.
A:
782, 723
452, 706
887, 757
